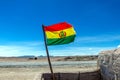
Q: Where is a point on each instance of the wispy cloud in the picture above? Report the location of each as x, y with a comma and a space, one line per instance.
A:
19, 50
26, 43
74, 51
118, 46
101, 38
22, 48
37, 48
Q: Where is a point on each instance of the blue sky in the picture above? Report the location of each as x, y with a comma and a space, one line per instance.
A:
97, 24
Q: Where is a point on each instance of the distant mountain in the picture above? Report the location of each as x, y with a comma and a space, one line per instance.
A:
31, 56
26, 56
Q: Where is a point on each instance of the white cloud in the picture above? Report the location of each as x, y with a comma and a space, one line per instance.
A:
90, 48
37, 48
22, 48
118, 46
73, 51
102, 38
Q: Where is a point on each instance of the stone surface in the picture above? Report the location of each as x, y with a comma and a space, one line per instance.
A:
109, 62
95, 75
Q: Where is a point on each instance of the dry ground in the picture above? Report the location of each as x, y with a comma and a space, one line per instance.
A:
35, 73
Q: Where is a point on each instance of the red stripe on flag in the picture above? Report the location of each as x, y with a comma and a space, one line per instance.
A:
57, 27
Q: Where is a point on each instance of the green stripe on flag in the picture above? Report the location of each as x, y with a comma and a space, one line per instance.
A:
65, 40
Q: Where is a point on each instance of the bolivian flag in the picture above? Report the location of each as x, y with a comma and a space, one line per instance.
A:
61, 33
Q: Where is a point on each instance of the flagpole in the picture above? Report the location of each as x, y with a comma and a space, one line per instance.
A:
48, 57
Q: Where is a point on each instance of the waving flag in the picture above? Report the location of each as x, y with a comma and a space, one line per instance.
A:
61, 33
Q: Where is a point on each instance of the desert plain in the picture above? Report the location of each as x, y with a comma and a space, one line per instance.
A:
25, 69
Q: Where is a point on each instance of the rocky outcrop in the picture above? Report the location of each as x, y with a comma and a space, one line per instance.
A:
109, 62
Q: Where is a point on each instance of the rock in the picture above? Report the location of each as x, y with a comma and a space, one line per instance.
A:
109, 62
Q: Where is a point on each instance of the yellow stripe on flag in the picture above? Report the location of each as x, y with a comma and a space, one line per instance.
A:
57, 34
